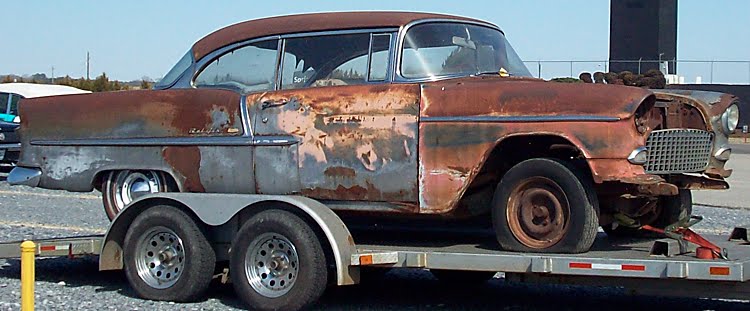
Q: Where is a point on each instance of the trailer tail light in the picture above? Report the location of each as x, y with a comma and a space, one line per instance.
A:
603, 266
718, 270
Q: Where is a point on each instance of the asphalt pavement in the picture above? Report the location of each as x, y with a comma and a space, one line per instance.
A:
64, 284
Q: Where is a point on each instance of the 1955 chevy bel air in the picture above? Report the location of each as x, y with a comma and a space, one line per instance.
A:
390, 113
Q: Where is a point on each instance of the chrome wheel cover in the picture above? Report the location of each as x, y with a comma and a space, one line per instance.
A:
130, 185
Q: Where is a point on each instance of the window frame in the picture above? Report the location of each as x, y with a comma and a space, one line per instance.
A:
399, 49
201, 64
211, 57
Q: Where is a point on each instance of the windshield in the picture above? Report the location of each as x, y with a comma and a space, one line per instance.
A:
433, 50
175, 72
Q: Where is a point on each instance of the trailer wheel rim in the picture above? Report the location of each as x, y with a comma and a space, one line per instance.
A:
130, 185
160, 257
538, 212
271, 265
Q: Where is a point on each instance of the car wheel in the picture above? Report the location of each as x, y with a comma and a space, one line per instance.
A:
119, 188
167, 256
545, 206
669, 210
277, 262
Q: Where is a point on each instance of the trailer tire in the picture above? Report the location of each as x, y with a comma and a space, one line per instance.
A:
167, 256
672, 209
277, 262
545, 205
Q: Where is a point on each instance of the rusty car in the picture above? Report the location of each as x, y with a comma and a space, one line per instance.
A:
390, 113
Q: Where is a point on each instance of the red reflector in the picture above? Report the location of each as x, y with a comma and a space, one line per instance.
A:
718, 270
47, 248
633, 268
579, 265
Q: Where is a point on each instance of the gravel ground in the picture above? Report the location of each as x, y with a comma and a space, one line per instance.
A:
64, 284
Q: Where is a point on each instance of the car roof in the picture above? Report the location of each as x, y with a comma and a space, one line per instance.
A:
31, 90
310, 23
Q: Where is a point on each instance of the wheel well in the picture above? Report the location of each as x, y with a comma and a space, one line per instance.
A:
509, 152
249, 211
99, 179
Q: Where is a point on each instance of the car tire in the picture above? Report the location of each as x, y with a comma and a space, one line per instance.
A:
119, 188
277, 262
545, 205
167, 256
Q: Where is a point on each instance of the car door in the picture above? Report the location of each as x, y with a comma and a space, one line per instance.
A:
355, 134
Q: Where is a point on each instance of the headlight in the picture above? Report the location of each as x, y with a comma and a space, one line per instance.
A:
730, 118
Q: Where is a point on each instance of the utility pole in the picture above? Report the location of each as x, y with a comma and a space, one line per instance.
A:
88, 62
53, 74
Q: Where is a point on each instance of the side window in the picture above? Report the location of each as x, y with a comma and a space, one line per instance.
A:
333, 60
14, 104
4, 100
251, 68
379, 47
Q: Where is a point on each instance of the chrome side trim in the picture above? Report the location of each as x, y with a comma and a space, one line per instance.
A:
561, 118
24, 176
11, 147
245, 116
175, 141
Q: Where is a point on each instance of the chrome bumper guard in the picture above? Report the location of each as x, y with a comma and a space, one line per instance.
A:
25, 176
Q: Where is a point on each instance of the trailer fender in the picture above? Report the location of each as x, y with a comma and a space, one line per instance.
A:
217, 209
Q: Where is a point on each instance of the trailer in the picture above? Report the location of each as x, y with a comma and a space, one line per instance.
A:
282, 252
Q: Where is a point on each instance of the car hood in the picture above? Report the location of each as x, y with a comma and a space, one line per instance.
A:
711, 103
507, 96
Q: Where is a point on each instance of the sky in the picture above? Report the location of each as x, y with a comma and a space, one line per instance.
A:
131, 39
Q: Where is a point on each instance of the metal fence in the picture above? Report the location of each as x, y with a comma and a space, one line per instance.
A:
688, 71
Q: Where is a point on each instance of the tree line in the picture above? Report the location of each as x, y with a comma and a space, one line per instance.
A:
102, 83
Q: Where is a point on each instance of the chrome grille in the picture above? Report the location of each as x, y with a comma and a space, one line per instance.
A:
678, 151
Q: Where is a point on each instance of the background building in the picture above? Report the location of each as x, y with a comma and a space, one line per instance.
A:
644, 30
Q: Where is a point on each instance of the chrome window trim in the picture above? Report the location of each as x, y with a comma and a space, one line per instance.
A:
245, 118
369, 59
387, 77
484, 119
280, 64
338, 32
261, 140
397, 77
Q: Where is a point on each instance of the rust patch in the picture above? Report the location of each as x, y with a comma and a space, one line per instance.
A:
495, 96
185, 161
338, 171
364, 138
133, 114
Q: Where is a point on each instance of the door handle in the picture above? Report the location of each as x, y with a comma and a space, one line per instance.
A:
270, 104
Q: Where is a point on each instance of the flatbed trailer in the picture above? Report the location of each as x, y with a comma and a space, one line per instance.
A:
642, 266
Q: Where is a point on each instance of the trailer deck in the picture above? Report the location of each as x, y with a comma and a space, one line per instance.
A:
625, 263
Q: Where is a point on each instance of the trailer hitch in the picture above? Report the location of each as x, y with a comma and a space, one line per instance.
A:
681, 232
